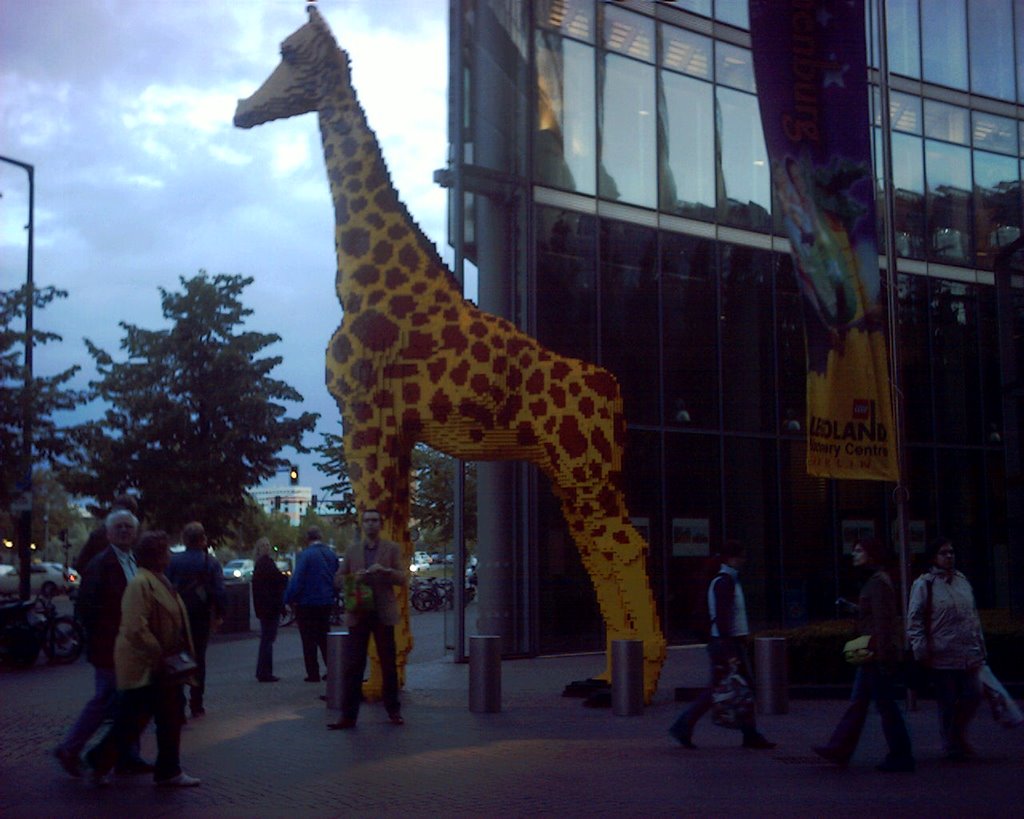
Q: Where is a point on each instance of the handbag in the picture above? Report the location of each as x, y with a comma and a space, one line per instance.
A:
358, 595
1004, 710
176, 668
857, 652
732, 699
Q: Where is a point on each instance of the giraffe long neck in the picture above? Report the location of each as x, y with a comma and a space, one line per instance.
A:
375, 235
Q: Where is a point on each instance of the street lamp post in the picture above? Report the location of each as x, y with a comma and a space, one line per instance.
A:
23, 503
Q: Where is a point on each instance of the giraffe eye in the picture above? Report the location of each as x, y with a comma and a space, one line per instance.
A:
288, 53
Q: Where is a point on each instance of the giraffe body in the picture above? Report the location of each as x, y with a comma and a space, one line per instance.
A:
413, 361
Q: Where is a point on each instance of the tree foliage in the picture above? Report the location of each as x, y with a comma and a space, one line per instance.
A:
46, 395
193, 416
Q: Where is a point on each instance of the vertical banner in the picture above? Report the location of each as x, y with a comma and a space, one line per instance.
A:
811, 71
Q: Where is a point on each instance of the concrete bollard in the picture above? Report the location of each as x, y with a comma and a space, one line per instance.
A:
335, 667
627, 677
772, 688
485, 674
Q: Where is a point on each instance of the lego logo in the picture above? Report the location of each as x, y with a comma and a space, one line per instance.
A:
861, 409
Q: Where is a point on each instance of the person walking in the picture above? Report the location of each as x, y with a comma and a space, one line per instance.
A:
199, 579
311, 591
99, 608
268, 585
945, 635
878, 616
379, 564
726, 649
154, 625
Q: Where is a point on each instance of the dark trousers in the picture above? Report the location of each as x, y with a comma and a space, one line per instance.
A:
957, 695
265, 658
873, 682
199, 624
314, 622
721, 650
357, 645
135, 706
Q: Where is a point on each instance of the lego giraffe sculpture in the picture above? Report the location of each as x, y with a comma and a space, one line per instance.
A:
413, 361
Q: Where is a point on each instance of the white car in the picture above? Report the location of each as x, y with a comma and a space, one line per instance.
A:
43, 579
238, 571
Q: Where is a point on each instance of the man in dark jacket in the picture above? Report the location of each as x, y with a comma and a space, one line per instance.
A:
311, 591
99, 606
199, 580
268, 584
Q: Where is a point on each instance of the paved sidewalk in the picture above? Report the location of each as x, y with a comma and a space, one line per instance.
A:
263, 750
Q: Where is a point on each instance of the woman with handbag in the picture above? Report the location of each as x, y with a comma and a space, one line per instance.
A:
879, 619
945, 634
153, 660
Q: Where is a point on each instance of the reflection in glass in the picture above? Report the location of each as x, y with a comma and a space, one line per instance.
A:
944, 31
687, 131
902, 34
990, 23
748, 375
955, 353
915, 358
566, 282
745, 188
792, 347
997, 209
947, 122
629, 315
948, 201
682, 50
690, 331
628, 33
564, 146
734, 67
994, 133
908, 187
628, 117
733, 12
573, 18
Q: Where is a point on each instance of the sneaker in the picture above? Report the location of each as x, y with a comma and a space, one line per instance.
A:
182, 780
71, 764
831, 754
758, 743
683, 737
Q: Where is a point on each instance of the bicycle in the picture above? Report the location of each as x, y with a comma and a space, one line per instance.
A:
62, 635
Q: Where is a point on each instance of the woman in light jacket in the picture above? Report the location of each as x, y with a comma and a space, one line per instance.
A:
153, 626
945, 634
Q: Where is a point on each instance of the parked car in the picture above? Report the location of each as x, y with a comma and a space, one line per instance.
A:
44, 579
72, 579
238, 571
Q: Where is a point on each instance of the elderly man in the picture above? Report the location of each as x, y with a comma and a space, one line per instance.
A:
99, 605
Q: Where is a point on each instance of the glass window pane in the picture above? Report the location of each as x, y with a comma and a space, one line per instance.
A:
628, 143
748, 375
1018, 7
565, 144
908, 184
628, 33
944, 33
948, 171
690, 319
991, 381
734, 67
956, 366
629, 316
745, 184
684, 51
702, 7
915, 357
997, 209
687, 131
792, 345
905, 112
903, 36
990, 23
947, 122
573, 18
733, 12
994, 133
566, 282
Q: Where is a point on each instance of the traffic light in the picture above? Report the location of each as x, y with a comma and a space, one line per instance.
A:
294, 474
312, 502
277, 503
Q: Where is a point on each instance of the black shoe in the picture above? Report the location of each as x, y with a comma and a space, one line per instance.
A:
896, 765
396, 718
831, 754
682, 737
71, 764
268, 679
757, 742
343, 724
312, 679
197, 711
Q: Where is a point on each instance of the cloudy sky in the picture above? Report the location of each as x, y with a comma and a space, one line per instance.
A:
125, 111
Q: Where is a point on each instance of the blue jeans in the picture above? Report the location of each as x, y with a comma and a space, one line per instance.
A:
265, 658
165, 704
96, 710
957, 694
720, 651
872, 683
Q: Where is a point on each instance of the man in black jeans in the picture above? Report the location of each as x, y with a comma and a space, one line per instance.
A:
311, 591
726, 649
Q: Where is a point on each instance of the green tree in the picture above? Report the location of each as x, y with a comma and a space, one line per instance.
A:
433, 495
47, 395
339, 499
193, 416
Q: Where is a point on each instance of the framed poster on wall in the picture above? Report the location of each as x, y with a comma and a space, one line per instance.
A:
691, 537
854, 529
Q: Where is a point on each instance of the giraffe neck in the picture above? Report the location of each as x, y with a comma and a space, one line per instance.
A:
375, 236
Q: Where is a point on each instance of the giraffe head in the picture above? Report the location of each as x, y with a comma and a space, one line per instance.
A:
312, 67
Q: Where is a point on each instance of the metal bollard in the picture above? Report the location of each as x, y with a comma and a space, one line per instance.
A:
335, 667
627, 677
485, 674
772, 688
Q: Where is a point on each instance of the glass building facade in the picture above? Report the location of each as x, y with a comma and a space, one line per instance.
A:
611, 184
